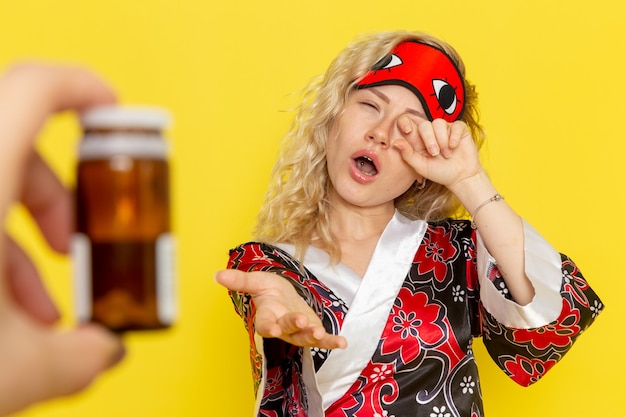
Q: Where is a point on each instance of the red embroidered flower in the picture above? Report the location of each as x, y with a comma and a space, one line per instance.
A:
414, 323
526, 371
557, 334
438, 257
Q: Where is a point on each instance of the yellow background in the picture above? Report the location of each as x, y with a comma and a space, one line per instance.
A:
551, 81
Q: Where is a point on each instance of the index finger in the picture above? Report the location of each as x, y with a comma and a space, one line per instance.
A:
29, 94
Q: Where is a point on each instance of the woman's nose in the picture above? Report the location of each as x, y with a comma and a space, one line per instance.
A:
382, 131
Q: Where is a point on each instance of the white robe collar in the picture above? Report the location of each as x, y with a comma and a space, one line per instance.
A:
369, 299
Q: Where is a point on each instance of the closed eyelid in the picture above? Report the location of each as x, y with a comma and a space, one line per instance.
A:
368, 100
369, 103
377, 93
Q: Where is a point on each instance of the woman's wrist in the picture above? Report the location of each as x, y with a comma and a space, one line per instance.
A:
474, 191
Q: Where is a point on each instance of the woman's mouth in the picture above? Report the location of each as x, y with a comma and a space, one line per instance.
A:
366, 165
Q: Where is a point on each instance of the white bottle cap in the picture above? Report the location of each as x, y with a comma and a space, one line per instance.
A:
146, 144
116, 117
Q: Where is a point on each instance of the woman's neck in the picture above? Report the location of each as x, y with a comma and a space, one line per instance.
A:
357, 233
359, 225
351, 222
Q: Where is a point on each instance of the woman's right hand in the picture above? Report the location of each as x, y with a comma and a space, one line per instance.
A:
280, 311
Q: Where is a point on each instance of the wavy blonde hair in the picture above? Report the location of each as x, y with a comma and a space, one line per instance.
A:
296, 208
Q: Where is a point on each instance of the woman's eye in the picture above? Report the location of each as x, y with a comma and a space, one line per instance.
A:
371, 105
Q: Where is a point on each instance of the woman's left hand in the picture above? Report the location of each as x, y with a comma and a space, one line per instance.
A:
445, 153
439, 151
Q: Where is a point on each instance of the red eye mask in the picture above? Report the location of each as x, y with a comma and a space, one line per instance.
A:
428, 72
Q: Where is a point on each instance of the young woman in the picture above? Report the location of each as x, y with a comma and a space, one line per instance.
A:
361, 294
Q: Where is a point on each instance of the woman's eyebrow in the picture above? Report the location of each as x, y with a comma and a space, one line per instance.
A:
380, 94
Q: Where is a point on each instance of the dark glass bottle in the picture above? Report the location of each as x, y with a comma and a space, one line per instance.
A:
123, 248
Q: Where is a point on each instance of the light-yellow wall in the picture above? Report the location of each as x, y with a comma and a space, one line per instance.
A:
551, 76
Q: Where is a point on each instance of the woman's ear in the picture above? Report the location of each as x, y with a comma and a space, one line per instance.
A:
420, 183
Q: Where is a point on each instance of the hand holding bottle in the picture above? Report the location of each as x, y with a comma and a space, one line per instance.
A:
39, 361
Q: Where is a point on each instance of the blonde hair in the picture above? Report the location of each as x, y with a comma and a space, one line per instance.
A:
296, 207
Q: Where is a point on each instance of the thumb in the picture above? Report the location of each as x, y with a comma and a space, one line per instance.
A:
78, 356
46, 364
236, 280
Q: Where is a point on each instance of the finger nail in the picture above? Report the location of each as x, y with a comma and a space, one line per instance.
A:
433, 150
